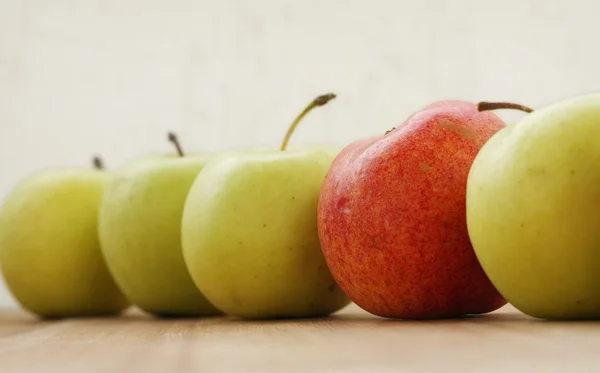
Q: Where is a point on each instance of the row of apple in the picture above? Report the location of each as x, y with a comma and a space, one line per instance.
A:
451, 213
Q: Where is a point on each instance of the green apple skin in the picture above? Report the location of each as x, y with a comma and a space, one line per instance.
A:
250, 240
533, 210
140, 226
49, 251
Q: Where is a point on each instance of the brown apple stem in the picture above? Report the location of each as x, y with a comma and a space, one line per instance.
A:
319, 101
485, 106
175, 141
98, 163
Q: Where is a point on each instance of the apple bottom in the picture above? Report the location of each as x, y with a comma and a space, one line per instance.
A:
415, 283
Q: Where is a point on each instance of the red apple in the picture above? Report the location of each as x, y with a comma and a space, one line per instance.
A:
392, 217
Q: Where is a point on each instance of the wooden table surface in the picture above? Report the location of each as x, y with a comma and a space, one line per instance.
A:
350, 341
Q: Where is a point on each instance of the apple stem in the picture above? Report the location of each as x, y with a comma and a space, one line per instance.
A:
98, 163
485, 106
319, 101
173, 139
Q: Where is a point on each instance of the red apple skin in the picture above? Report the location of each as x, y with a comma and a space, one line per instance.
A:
392, 217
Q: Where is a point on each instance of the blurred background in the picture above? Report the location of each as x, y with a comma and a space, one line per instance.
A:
112, 77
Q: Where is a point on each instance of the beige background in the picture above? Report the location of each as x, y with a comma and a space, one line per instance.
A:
112, 76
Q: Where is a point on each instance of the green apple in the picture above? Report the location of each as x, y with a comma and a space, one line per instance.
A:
49, 251
249, 232
139, 227
533, 210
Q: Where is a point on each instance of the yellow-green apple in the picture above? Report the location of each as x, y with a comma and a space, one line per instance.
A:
392, 217
140, 225
533, 210
249, 232
49, 251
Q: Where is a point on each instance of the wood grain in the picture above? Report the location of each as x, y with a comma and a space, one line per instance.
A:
351, 341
